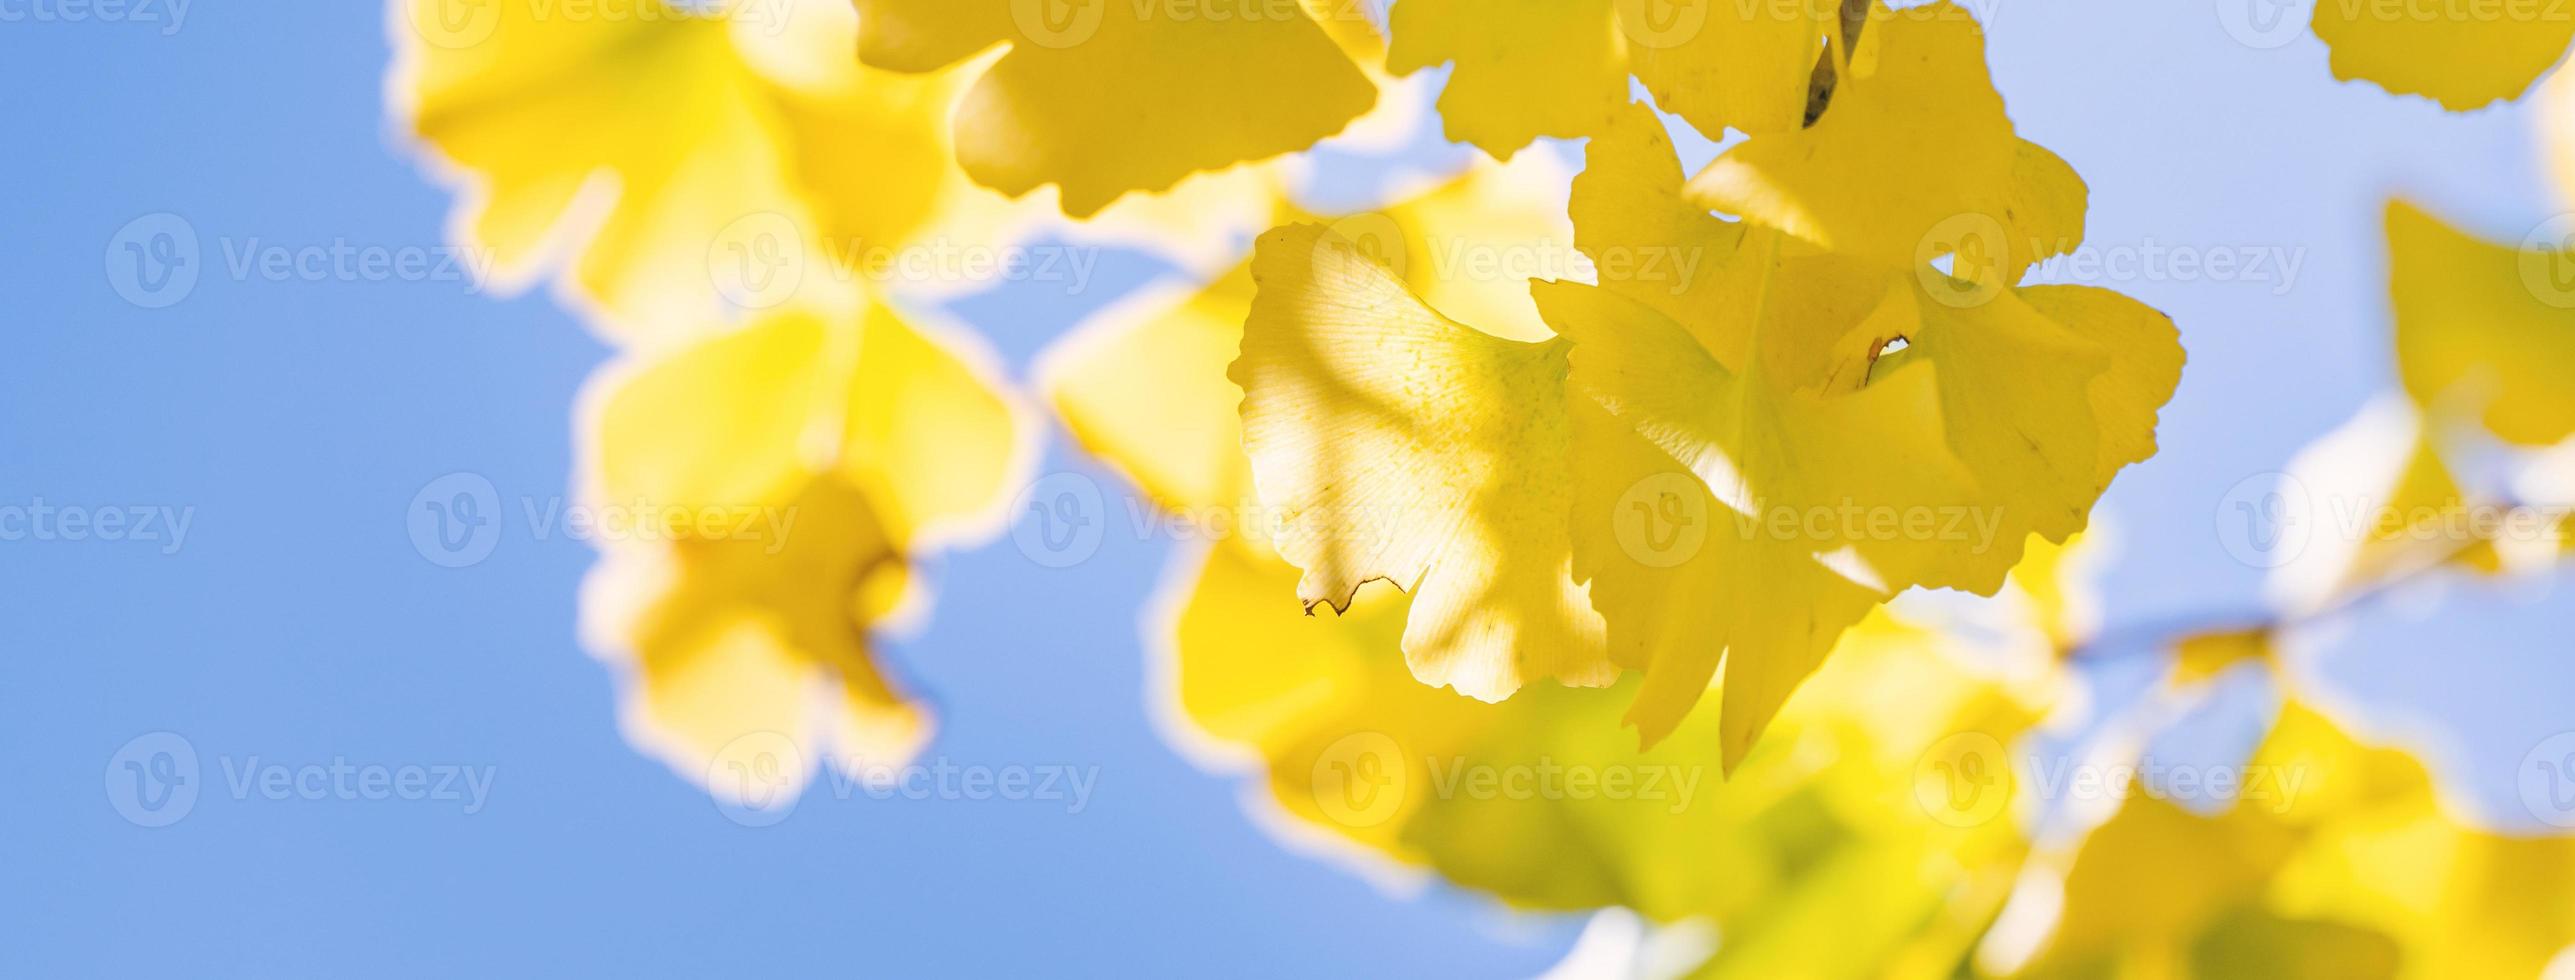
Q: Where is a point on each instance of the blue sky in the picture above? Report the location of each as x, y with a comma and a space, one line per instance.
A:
290, 423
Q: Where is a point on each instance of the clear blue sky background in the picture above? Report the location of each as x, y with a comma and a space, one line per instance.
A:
298, 625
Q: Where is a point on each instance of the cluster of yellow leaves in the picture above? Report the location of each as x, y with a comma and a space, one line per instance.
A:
720, 185
1815, 858
788, 441
2355, 865
2364, 870
1721, 374
693, 163
2344, 863
1567, 480
1411, 408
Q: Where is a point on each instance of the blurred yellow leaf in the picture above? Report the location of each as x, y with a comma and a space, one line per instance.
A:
782, 475
2347, 867
2484, 328
741, 136
1107, 98
2463, 56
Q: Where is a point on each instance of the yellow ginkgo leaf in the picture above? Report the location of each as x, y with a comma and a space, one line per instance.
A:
778, 479
748, 640
2151, 880
1397, 444
2148, 888
1721, 514
2030, 401
2461, 56
2483, 328
2145, 367
1649, 245
718, 156
1469, 246
1106, 98
2042, 218
1143, 386
1142, 383
2049, 391
2009, 411
1543, 803
1250, 671
745, 417
928, 431
2384, 851
1524, 68
1720, 66
2336, 858
1918, 93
